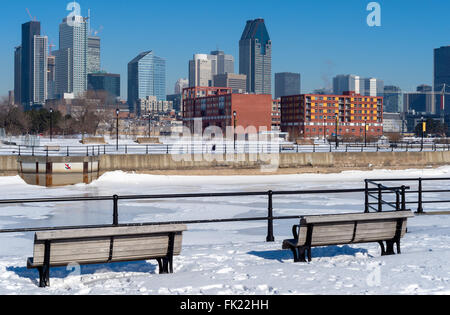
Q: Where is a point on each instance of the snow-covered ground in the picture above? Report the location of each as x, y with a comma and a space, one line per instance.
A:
230, 258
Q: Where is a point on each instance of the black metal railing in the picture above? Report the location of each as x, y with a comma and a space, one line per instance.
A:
221, 148
420, 192
270, 218
400, 197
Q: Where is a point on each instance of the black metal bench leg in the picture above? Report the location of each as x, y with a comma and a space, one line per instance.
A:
44, 276
383, 249
309, 254
294, 251
161, 266
302, 254
170, 264
399, 251
390, 248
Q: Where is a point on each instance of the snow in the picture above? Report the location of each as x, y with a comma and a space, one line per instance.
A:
229, 258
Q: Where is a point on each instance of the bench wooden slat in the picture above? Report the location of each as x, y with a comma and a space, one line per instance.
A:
99, 249
108, 232
350, 228
335, 218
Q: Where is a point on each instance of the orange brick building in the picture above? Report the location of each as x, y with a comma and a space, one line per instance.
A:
216, 107
316, 116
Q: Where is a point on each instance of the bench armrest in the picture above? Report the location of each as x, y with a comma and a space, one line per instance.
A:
295, 231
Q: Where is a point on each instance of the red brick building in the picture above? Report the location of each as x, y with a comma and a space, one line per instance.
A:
316, 116
216, 107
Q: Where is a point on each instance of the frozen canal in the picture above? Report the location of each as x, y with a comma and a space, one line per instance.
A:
229, 258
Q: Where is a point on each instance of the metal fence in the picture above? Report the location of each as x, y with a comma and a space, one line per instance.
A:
270, 218
212, 148
421, 193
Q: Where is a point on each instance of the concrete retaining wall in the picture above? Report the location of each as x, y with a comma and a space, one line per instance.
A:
9, 165
145, 163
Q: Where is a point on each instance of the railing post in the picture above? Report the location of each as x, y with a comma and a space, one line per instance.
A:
19, 150
366, 203
420, 207
87, 151
403, 198
397, 200
68, 153
115, 210
270, 237
32, 151
380, 198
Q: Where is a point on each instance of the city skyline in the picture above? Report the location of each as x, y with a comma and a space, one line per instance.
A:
317, 65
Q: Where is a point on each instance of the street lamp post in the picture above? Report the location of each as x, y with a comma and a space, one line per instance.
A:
117, 129
149, 126
423, 132
51, 124
337, 129
365, 133
234, 130
324, 130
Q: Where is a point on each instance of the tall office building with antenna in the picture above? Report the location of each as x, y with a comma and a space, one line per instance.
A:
71, 58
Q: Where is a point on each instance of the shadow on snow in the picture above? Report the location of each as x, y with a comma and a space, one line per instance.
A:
320, 252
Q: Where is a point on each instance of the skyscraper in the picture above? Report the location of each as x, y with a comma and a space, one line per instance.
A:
255, 57
442, 77
225, 63
40, 70
93, 55
146, 77
346, 83
51, 78
202, 69
353, 83
287, 84
393, 99
180, 85
71, 58
18, 75
29, 31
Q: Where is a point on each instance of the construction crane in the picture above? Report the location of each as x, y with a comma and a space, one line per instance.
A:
31, 17
50, 50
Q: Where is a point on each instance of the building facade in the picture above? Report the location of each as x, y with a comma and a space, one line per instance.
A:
150, 105
320, 116
287, 83
421, 101
255, 57
94, 54
224, 62
177, 103
441, 81
28, 68
203, 68
393, 99
40, 70
51, 78
107, 82
216, 107
180, 85
146, 77
18, 75
363, 86
237, 82
71, 58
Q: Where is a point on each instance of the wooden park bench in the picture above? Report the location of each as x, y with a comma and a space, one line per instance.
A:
106, 245
345, 229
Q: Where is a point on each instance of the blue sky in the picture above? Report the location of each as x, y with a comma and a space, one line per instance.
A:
318, 39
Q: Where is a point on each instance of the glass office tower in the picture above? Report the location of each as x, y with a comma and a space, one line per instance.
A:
255, 57
146, 77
